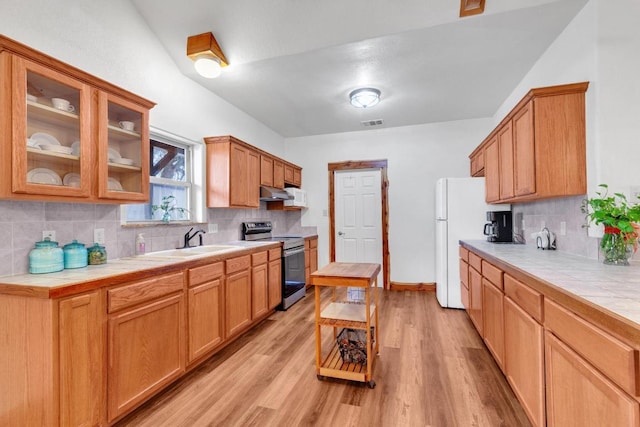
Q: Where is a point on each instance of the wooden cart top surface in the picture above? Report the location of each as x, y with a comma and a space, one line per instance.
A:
346, 274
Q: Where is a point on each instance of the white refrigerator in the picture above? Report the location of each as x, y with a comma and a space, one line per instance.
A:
460, 214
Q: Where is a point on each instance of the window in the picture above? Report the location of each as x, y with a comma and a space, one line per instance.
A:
174, 171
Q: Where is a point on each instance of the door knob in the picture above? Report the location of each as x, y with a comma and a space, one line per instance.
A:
340, 233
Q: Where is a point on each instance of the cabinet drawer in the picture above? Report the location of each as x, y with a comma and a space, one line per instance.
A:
205, 273
275, 254
260, 258
135, 293
475, 261
313, 243
493, 274
611, 356
237, 264
464, 253
464, 274
526, 298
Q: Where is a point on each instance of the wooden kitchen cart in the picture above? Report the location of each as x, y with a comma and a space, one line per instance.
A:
340, 313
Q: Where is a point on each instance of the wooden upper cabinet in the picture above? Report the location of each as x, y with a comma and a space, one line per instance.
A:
288, 173
542, 147
524, 152
236, 170
492, 171
266, 170
253, 179
64, 133
505, 160
233, 173
123, 154
477, 162
278, 173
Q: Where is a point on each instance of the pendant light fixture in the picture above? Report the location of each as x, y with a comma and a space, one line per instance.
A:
208, 58
365, 97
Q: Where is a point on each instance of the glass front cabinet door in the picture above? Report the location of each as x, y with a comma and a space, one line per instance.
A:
52, 140
66, 135
123, 154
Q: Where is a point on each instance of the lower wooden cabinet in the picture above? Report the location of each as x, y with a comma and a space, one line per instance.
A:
524, 360
475, 299
493, 320
146, 351
238, 295
310, 257
81, 354
206, 309
275, 278
259, 285
579, 395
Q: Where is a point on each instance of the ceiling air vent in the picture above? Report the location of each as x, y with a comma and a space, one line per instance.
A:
369, 123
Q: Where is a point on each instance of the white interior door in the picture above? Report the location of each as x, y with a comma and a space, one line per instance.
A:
358, 216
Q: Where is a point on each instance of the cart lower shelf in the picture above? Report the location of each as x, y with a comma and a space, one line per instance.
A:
333, 366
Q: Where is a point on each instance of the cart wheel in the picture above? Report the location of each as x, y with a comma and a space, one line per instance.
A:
371, 384
321, 377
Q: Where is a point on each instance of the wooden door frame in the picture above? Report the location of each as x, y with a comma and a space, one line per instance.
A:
384, 185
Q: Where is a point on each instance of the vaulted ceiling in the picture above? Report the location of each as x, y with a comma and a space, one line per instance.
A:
294, 62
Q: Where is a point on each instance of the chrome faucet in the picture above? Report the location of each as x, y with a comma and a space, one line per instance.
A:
188, 236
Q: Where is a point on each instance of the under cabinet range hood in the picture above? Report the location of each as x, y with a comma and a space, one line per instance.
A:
270, 194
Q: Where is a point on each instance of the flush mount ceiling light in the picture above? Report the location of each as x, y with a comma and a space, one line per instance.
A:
208, 58
365, 97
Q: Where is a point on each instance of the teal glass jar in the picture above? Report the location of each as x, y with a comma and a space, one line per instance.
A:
46, 257
97, 255
75, 255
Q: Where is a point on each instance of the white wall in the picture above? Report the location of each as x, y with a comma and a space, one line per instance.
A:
110, 39
601, 46
417, 156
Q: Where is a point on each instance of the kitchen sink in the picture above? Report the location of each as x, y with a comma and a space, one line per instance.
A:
191, 252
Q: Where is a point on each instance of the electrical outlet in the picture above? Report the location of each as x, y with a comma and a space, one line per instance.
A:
213, 228
51, 234
563, 228
98, 236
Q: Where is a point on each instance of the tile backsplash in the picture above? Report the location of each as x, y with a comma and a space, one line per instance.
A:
22, 224
551, 213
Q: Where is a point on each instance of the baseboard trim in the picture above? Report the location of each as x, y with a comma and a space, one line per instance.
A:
419, 287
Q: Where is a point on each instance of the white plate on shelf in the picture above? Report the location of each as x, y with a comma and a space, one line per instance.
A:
32, 98
56, 148
43, 176
113, 154
123, 161
44, 138
75, 148
33, 144
114, 185
71, 179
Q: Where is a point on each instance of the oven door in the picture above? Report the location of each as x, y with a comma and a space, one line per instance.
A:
292, 271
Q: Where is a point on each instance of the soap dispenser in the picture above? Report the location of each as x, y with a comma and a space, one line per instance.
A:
140, 246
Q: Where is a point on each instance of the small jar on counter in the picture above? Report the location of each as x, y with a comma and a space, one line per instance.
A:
46, 257
75, 255
97, 254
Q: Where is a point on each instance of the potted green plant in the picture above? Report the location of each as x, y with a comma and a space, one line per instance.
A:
620, 219
167, 207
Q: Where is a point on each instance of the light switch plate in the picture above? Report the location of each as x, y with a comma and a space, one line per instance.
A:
98, 236
51, 234
213, 228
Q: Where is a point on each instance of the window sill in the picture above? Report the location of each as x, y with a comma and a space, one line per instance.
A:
161, 224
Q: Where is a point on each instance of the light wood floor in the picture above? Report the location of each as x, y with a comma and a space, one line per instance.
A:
432, 370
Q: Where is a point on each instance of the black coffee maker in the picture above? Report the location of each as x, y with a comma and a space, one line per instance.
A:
499, 226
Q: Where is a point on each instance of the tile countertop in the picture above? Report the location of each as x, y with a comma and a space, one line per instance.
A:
616, 289
71, 281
